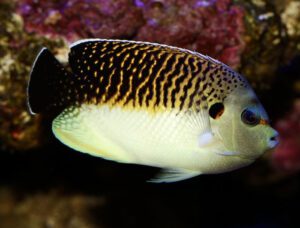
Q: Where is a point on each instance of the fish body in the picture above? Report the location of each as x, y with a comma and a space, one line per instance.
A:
151, 104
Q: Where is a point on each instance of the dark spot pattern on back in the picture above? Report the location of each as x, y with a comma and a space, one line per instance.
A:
145, 75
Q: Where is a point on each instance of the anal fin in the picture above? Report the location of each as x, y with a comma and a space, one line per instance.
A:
173, 175
79, 129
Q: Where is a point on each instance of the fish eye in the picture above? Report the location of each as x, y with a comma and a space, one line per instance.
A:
249, 117
216, 110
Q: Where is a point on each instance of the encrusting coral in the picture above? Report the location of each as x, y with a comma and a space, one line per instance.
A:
250, 36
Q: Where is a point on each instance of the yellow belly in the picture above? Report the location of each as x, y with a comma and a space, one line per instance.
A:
165, 139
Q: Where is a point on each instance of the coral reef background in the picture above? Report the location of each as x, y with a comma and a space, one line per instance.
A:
45, 184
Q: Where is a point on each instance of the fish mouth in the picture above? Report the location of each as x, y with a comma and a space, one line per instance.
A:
273, 141
273, 144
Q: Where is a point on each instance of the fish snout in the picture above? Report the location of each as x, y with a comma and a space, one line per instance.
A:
273, 140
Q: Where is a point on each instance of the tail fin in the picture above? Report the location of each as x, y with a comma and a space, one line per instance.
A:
47, 78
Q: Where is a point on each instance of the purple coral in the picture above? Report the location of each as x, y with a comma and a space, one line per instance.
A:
75, 19
211, 27
287, 155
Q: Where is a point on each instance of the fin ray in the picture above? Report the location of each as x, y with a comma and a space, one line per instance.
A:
72, 127
173, 175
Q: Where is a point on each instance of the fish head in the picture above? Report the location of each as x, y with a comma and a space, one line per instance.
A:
243, 124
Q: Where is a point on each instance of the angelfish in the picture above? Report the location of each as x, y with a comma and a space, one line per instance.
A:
151, 104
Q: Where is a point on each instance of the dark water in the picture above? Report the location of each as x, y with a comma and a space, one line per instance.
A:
241, 199
252, 197
225, 200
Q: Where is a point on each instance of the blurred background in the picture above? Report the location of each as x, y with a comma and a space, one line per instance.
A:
45, 184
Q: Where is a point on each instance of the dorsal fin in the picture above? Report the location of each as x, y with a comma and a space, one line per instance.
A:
86, 52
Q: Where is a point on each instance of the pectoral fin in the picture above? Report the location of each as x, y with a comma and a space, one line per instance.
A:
206, 139
173, 175
227, 153
210, 142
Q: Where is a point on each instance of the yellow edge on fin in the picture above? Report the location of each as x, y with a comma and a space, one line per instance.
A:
87, 142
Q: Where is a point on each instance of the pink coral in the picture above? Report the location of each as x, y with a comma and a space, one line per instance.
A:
287, 155
76, 19
211, 27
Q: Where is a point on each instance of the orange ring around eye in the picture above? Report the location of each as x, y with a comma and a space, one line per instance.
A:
263, 122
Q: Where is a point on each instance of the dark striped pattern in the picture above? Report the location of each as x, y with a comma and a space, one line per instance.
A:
137, 74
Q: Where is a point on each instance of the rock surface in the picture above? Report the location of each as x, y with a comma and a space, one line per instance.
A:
50, 186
